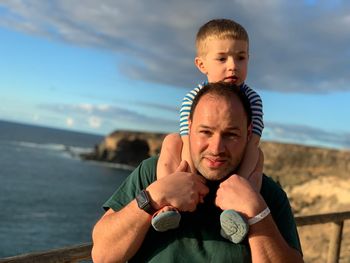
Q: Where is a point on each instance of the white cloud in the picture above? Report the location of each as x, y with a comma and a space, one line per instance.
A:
69, 121
300, 46
94, 122
36, 118
302, 134
96, 115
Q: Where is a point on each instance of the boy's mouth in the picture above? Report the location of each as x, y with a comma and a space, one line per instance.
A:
231, 79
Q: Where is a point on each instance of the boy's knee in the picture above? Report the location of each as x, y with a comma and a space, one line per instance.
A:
171, 139
173, 136
254, 140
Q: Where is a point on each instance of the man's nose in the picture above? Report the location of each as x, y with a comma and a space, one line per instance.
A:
216, 144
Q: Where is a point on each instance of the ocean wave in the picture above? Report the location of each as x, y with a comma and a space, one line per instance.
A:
71, 150
113, 165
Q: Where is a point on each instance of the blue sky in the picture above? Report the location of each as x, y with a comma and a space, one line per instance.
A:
99, 66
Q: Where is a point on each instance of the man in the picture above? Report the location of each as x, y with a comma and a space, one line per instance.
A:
219, 130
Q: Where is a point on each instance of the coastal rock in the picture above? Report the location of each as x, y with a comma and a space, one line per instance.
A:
290, 164
293, 164
126, 147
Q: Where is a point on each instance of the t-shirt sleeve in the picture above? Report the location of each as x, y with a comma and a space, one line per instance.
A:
281, 212
256, 107
186, 109
138, 180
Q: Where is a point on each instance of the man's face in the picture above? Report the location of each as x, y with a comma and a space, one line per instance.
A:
218, 136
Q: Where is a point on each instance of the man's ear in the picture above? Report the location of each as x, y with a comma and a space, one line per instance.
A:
199, 62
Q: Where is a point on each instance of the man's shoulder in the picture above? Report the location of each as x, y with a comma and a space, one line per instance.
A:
148, 165
275, 197
271, 188
151, 160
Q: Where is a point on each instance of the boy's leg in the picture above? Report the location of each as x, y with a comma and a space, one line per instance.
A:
233, 225
170, 155
185, 153
169, 159
250, 158
255, 178
166, 219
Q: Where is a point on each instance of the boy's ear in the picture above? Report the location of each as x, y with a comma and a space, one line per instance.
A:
199, 62
189, 124
250, 131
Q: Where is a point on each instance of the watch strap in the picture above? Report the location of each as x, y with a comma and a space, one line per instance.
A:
144, 202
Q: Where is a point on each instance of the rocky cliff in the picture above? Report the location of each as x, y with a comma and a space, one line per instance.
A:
127, 147
288, 163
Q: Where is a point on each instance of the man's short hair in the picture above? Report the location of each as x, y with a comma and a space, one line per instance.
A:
225, 90
219, 29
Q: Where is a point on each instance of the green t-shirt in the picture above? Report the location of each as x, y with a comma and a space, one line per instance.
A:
198, 238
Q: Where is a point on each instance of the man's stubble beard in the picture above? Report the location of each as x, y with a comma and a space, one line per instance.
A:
223, 176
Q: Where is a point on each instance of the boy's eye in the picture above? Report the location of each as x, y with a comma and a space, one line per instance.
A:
221, 59
205, 132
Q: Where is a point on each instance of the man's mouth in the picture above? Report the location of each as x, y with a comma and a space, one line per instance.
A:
214, 162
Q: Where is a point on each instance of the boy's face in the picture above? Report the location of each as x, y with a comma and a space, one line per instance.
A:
224, 60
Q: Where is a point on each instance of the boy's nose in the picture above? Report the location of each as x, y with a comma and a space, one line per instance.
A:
231, 64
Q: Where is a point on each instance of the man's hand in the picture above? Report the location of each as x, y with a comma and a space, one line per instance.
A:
181, 189
238, 194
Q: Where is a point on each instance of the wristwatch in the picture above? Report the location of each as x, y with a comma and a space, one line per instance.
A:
144, 202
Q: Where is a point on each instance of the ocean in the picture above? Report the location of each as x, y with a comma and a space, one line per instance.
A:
49, 197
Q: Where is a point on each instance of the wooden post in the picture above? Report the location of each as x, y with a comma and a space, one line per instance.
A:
61, 255
335, 242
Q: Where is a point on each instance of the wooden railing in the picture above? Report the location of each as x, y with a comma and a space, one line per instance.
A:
83, 252
63, 255
337, 221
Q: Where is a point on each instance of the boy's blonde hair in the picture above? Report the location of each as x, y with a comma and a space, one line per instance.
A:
219, 29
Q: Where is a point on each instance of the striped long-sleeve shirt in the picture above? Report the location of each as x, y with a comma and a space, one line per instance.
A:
255, 105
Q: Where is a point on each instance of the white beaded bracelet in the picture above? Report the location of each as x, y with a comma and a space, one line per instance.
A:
259, 216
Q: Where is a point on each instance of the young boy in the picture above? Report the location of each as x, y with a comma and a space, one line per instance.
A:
222, 47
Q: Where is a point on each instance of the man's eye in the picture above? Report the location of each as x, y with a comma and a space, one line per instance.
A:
232, 135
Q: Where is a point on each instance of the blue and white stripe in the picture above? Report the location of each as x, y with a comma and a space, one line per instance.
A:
255, 105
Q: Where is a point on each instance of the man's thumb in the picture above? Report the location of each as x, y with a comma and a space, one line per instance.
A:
183, 166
